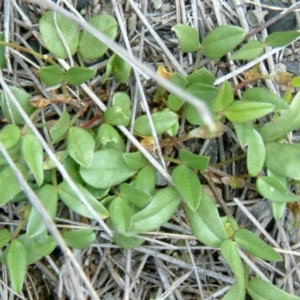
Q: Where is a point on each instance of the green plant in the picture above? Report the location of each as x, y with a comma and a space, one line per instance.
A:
120, 186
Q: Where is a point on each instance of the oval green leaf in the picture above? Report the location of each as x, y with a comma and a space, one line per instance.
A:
51, 75
251, 50
59, 130
256, 145
162, 121
109, 137
71, 199
89, 46
79, 239
224, 98
235, 293
145, 180
193, 160
108, 168
136, 196
188, 185
47, 195
243, 111
81, 145
283, 159
187, 36
32, 152
52, 38
255, 246
135, 160
281, 38
5, 237
121, 69
271, 188
10, 135
158, 211
16, 259
222, 40
127, 242
79, 75
201, 76
244, 131
175, 102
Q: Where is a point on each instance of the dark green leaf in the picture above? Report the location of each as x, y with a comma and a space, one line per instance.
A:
127, 242
121, 69
109, 137
2, 52
52, 38
51, 75
162, 120
255, 246
188, 185
175, 102
10, 111
136, 196
201, 76
60, 128
263, 290
81, 145
224, 98
235, 293
79, 239
243, 111
187, 36
281, 38
244, 131
135, 160
47, 195
158, 211
283, 159
10, 135
271, 188
16, 258
222, 40
5, 237
71, 199
89, 46
193, 160
32, 152
251, 50
108, 168
79, 75
146, 179
263, 95
41, 249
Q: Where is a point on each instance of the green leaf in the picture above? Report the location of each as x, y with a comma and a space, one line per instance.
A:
204, 92
201, 76
9, 186
2, 52
71, 199
136, 196
108, 168
52, 38
263, 95
109, 137
10, 135
162, 120
224, 98
281, 38
234, 293
222, 40
120, 214
47, 195
243, 111
286, 123
231, 255
127, 242
271, 188
188, 185
32, 152
40, 249
79, 239
16, 263
193, 160
256, 145
5, 237
109, 67
51, 75
89, 46
135, 160
255, 246
283, 159
79, 75
119, 113
121, 69
200, 230
295, 82
263, 290
10, 111
244, 131
60, 128
81, 145
187, 36
145, 180
175, 102
158, 211
251, 50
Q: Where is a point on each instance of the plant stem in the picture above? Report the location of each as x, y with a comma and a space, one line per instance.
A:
228, 161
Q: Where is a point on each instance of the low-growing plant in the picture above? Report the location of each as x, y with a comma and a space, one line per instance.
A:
120, 185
